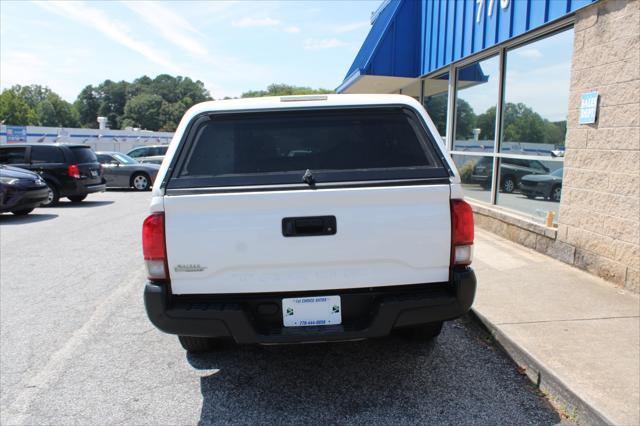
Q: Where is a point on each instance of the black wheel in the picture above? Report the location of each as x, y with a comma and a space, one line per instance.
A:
508, 184
53, 197
423, 332
197, 344
77, 198
556, 193
23, 212
140, 182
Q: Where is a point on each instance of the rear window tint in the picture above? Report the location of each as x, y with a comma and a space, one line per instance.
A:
46, 154
338, 145
84, 154
159, 150
103, 158
12, 155
139, 152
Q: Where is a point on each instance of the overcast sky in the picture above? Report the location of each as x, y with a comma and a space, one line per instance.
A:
231, 46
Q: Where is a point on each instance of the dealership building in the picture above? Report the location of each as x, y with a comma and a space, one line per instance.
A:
538, 102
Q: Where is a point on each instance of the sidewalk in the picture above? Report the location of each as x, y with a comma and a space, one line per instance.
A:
576, 335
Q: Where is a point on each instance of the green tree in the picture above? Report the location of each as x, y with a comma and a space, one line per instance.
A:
46, 114
49, 108
436, 106
284, 90
110, 99
166, 87
522, 124
87, 105
170, 115
113, 98
66, 114
33, 94
193, 91
465, 120
15, 110
144, 111
556, 132
486, 122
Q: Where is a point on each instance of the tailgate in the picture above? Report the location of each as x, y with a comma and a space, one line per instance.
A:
234, 242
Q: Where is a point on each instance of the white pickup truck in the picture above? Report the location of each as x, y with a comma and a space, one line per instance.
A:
307, 219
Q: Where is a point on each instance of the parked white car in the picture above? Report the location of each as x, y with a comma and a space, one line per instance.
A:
306, 219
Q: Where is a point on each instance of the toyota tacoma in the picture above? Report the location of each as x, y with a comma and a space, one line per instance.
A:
307, 219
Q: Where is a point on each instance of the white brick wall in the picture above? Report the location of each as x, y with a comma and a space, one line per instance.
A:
600, 209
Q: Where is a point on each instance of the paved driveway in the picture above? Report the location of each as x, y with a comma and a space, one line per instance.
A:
76, 348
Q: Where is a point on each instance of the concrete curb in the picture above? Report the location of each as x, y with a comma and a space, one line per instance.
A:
543, 377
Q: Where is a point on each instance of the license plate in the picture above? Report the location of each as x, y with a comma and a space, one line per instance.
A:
311, 311
94, 173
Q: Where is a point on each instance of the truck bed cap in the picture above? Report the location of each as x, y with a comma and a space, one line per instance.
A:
277, 102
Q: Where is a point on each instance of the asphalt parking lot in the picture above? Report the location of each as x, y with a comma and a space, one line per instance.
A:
77, 348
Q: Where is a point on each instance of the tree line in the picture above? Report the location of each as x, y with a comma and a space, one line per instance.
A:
520, 122
148, 103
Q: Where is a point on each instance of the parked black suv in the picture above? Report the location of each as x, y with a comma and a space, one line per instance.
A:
511, 171
70, 171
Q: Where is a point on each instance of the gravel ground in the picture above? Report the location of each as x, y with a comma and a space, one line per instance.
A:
77, 348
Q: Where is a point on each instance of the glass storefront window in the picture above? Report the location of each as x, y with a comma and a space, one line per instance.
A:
531, 186
535, 107
475, 173
436, 101
476, 102
536, 96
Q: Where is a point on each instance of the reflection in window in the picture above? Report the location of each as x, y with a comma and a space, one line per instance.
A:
536, 96
475, 173
436, 99
476, 101
530, 186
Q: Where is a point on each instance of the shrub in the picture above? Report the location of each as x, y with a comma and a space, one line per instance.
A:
466, 170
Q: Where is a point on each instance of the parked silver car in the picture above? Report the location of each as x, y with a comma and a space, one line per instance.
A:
149, 154
122, 171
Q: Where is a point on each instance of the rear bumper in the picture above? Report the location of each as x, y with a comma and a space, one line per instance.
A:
534, 190
367, 313
79, 188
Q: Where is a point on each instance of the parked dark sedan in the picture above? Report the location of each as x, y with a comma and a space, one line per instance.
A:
21, 191
122, 171
547, 186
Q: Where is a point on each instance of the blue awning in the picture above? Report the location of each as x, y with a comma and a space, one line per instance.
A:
392, 47
472, 73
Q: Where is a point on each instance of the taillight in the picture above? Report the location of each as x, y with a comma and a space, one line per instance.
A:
461, 233
73, 171
153, 247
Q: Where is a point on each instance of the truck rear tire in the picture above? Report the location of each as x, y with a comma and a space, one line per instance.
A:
197, 344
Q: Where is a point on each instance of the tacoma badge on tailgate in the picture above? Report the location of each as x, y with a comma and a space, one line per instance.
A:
189, 268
